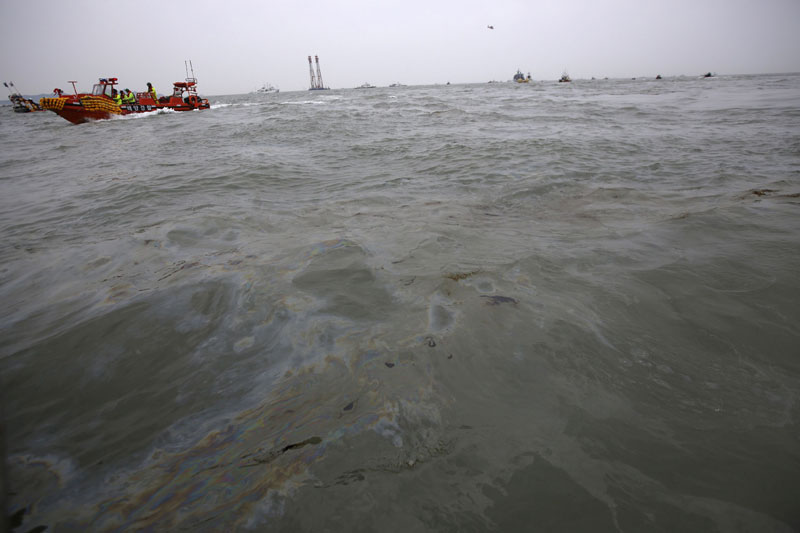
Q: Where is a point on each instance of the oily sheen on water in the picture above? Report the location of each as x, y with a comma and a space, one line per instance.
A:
502, 307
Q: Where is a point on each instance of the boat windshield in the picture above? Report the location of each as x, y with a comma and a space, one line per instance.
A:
101, 89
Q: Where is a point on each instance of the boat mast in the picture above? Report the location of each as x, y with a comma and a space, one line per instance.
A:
189, 66
319, 74
12, 88
311, 72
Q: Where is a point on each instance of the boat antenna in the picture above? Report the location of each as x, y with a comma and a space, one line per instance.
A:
73, 82
189, 66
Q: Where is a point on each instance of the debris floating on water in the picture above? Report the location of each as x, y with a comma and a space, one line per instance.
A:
497, 300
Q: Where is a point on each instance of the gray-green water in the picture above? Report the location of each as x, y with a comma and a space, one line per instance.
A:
497, 307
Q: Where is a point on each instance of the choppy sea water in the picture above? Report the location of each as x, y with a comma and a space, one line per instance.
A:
490, 307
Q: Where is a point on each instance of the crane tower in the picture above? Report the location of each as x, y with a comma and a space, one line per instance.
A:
316, 81
319, 73
311, 73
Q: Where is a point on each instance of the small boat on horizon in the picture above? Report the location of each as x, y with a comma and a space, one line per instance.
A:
366, 85
267, 88
519, 77
564, 78
397, 84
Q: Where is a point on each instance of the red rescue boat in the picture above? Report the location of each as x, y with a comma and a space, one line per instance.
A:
100, 104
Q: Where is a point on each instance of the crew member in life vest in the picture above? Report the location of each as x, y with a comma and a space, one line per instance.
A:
128, 97
116, 97
152, 91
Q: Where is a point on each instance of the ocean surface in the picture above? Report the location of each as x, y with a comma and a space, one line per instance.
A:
488, 307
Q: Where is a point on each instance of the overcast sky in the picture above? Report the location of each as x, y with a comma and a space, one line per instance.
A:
236, 45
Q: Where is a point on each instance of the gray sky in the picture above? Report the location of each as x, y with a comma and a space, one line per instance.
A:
236, 45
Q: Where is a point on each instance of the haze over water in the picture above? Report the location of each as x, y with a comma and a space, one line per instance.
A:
490, 307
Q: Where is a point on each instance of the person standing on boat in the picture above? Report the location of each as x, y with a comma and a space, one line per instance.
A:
152, 91
116, 97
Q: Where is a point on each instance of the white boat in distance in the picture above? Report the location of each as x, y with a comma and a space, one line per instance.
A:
365, 85
267, 88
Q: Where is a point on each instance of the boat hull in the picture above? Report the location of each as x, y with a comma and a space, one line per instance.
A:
78, 113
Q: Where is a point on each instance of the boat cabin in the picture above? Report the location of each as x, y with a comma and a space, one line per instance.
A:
104, 87
184, 92
180, 87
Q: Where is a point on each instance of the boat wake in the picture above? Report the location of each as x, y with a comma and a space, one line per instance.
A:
241, 104
306, 102
164, 111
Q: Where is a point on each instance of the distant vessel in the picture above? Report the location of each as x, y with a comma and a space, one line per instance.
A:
316, 81
708, 75
564, 77
519, 77
658, 77
365, 85
397, 84
19, 102
267, 88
